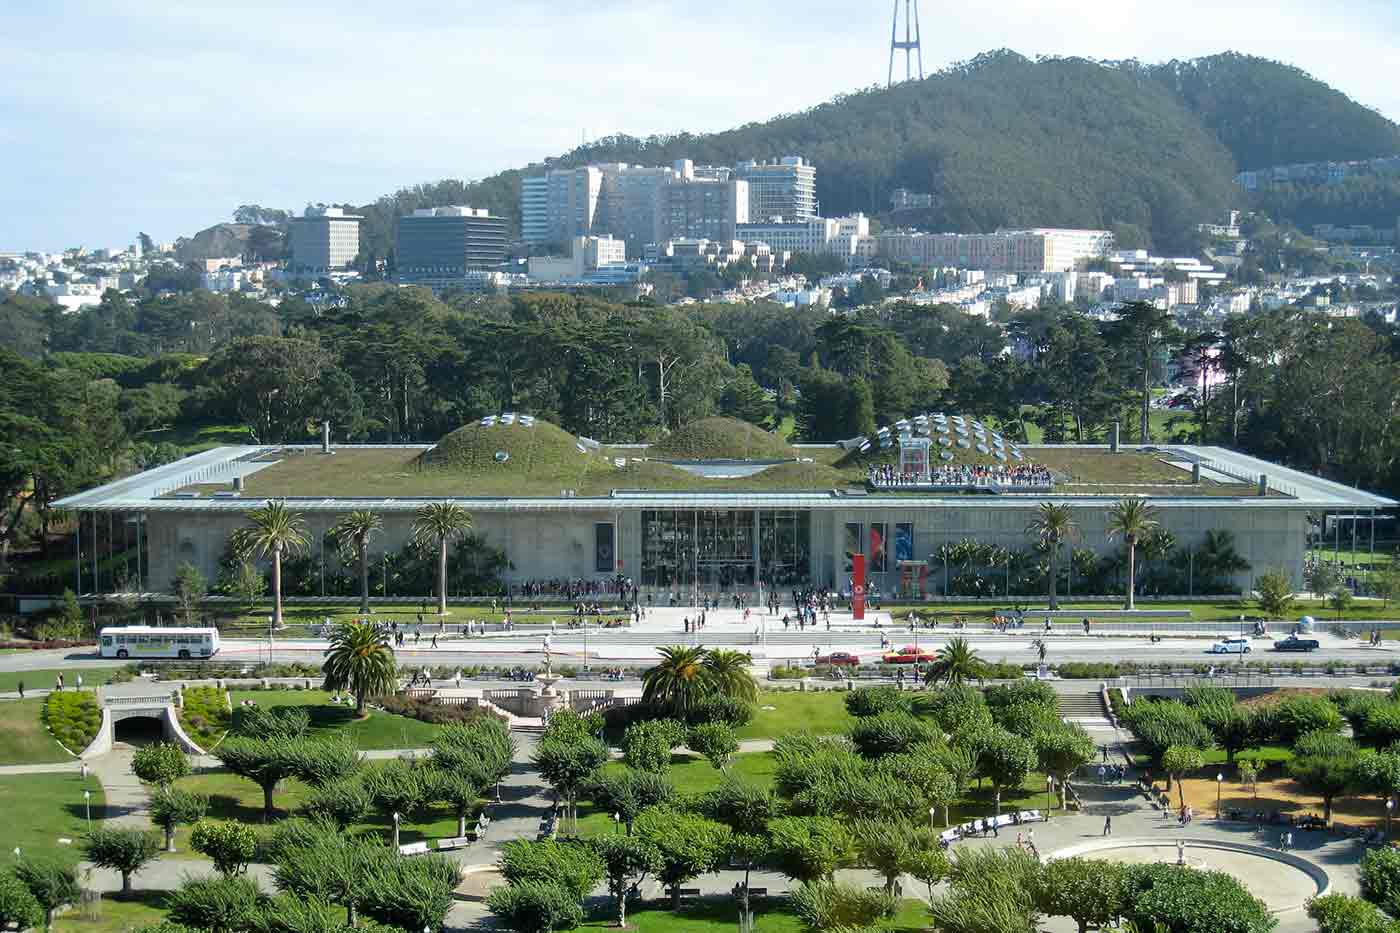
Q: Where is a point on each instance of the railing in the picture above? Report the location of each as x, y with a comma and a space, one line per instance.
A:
161, 699
974, 486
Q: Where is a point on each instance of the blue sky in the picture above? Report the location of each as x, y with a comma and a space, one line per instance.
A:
162, 117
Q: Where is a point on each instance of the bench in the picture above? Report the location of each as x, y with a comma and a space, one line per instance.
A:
690, 892
414, 848
455, 842
758, 892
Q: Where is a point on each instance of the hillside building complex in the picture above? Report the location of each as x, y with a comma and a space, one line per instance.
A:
786, 187
324, 240
1037, 250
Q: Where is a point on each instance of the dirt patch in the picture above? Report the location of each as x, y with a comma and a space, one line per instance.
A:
1276, 793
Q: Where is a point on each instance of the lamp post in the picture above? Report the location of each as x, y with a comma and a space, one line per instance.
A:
932, 814
617, 822
1219, 782
396, 828
1049, 795
1389, 808
87, 802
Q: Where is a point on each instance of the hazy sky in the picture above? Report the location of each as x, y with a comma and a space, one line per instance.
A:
164, 117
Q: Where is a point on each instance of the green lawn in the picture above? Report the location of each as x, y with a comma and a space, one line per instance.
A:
982, 801
23, 738
1269, 754
234, 798
113, 913
43, 808
793, 711
45, 679
377, 731
717, 915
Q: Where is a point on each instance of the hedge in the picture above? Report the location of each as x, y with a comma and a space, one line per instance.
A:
72, 717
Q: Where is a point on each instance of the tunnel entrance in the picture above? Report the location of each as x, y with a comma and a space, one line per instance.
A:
139, 730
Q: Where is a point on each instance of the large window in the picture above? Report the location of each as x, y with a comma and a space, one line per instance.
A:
720, 550
785, 540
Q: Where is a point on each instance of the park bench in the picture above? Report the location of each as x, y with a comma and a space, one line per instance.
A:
455, 842
758, 892
414, 848
690, 892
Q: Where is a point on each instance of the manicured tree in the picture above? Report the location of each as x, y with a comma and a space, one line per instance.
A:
1249, 774
955, 664
51, 883
808, 848
1379, 774
743, 806
1159, 726
716, 741
276, 532
331, 866
481, 750
569, 767
1061, 751
989, 890
748, 852
172, 807
271, 722
956, 709
397, 787
535, 907
872, 701
827, 905
1342, 913
265, 762
460, 792
1185, 900
729, 710
125, 851
1052, 526
573, 865
647, 745
1340, 599
1324, 764
892, 733
219, 905
1274, 591
1232, 727
437, 524
17, 906
1088, 891
1180, 759
360, 660
923, 770
1131, 520
627, 860
353, 533
326, 761
230, 846
162, 763
728, 674
411, 893
885, 847
679, 682
927, 862
688, 846
342, 802
1005, 761
1380, 877
627, 793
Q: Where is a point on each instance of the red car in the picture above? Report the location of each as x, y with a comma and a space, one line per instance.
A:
839, 659
910, 655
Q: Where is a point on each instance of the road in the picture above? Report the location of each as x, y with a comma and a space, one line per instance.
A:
728, 628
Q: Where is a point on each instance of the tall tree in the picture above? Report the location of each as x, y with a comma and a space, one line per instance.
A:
1052, 525
353, 533
1132, 520
360, 660
1141, 332
438, 523
276, 531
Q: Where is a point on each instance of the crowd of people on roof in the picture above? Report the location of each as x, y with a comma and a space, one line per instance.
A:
949, 474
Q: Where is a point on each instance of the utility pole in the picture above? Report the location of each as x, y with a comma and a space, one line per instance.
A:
910, 45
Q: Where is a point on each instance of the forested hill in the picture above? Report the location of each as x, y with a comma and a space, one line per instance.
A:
1149, 151
1267, 113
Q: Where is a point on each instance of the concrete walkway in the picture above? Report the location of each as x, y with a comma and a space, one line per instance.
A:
128, 801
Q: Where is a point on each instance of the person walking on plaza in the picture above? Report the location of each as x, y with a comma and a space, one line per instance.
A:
21, 690
59, 682
1108, 825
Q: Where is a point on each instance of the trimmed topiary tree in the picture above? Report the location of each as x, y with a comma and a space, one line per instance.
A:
230, 846
535, 907
123, 850
162, 764
172, 807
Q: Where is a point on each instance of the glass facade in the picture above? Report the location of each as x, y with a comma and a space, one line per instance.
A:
721, 550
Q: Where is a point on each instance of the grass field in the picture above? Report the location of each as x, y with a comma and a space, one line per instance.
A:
717, 915
792, 711
377, 731
41, 809
45, 679
113, 913
23, 738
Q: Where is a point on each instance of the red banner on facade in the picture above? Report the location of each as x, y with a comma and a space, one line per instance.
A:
858, 587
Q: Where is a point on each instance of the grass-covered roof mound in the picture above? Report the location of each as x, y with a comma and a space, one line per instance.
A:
722, 439
473, 450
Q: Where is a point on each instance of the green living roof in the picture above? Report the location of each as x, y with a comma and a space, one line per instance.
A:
542, 460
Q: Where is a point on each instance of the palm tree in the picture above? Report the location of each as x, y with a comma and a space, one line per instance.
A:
353, 533
679, 682
1131, 520
438, 523
1052, 525
1217, 560
728, 673
359, 660
276, 530
955, 665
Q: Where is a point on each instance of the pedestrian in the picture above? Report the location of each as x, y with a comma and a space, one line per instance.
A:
995, 833
59, 681
1030, 840
1288, 841
435, 640
21, 690
1103, 750
80, 681
1108, 825
1101, 773
1020, 841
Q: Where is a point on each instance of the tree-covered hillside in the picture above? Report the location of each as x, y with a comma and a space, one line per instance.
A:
1268, 113
1148, 151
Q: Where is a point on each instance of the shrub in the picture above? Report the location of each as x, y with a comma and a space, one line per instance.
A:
891, 733
716, 741
122, 850
230, 846
17, 905
51, 883
214, 903
73, 718
1089, 670
535, 907
205, 715
729, 710
1380, 877
271, 722
162, 763
434, 713
1341, 913
823, 906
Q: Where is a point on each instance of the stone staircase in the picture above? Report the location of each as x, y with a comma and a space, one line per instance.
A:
1085, 707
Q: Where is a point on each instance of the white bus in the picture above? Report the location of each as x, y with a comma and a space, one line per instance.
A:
144, 641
